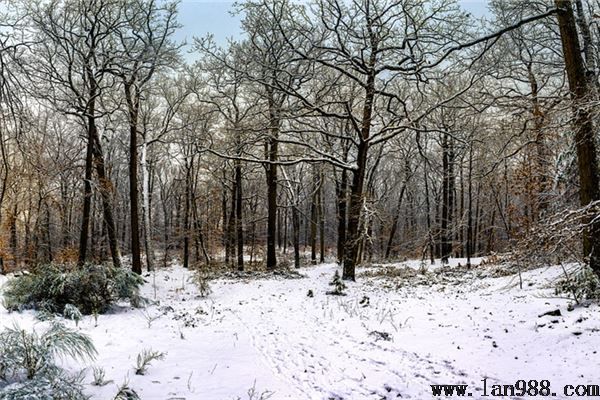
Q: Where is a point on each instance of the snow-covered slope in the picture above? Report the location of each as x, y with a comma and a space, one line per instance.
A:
267, 334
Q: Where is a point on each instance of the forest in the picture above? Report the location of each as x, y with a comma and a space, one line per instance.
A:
343, 169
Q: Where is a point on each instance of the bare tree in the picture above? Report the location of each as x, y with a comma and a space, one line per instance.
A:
585, 142
145, 47
71, 65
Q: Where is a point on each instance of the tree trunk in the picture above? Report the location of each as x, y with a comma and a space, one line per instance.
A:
238, 216
342, 202
358, 177
321, 211
461, 234
272, 150
285, 229
186, 216
166, 221
430, 239
313, 219
279, 230
540, 175
447, 198
105, 185
146, 206
395, 220
5, 171
13, 236
470, 207
106, 192
87, 195
584, 128
296, 234
477, 226
356, 202
48, 232
224, 225
231, 227
132, 96
200, 235
588, 46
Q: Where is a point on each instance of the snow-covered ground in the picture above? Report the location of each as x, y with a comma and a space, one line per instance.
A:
267, 334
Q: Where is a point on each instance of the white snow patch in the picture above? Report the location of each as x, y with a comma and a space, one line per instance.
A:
268, 334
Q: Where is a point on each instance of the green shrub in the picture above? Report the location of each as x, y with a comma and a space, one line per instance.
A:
27, 363
145, 358
581, 285
338, 285
126, 393
55, 385
91, 288
29, 354
200, 278
71, 312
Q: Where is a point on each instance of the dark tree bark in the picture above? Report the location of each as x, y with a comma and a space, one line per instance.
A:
167, 226
461, 233
199, 235
132, 96
285, 229
395, 220
477, 227
342, 202
13, 235
186, 215
584, 127
87, 197
105, 184
321, 211
430, 239
542, 153
106, 192
231, 227
48, 232
394, 224
271, 172
470, 207
588, 46
358, 176
356, 199
280, 229
296, 234
224, 224
238, 216
3, 187
313, 218
447, 197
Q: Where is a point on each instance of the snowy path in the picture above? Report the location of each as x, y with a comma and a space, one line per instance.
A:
270, 335
322, 346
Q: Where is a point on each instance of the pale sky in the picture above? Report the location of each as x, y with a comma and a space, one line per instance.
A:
200, 17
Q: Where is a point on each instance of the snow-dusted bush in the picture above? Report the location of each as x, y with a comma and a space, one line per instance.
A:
29, 354
145, 358
71, 312
27, 363
126, 393
52, 385
285, 262
255, 394
338, 285
200, 278
91, 288
99, 377
581, 285
556, 239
